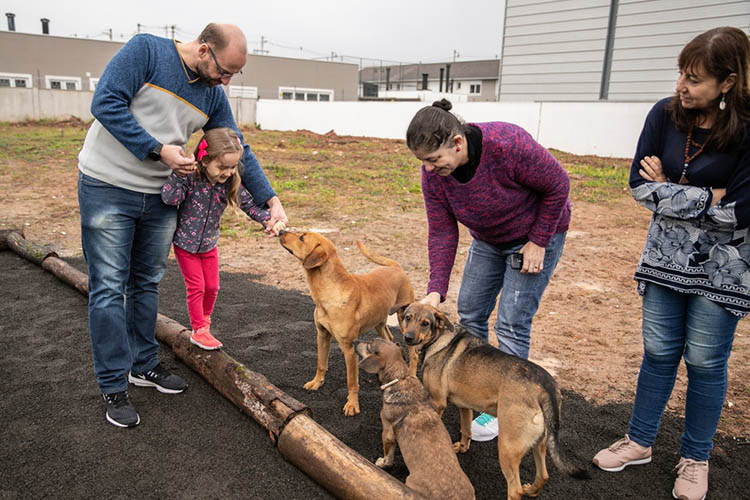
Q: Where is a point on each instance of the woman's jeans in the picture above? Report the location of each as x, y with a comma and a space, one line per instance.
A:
486, 273
680, 325
126, 238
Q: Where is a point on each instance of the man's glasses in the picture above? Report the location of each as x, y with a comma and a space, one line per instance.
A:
222, 72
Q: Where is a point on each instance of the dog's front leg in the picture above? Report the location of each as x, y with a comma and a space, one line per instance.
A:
465, 416
389, 445
351, 407
413, 360
324, 348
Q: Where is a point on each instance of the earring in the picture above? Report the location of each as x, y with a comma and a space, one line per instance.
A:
723, 102
458, 150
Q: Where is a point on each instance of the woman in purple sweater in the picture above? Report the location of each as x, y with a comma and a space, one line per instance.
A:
512, 195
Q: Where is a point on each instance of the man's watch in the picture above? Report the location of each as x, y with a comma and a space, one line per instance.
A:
155, 154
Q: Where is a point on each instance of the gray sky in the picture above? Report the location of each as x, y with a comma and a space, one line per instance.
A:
392, 30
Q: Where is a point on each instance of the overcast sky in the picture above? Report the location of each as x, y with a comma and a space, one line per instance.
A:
392, 30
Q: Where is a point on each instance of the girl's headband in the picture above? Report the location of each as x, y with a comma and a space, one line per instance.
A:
203, 146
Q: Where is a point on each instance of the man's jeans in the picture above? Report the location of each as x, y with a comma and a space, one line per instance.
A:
486, 273
682, 325
126, 238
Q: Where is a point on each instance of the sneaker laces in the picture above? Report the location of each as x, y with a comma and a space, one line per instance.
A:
159, 371
620, 444
688, 469
484, 418
118, 399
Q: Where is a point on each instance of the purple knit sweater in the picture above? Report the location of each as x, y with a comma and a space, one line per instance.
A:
518, 191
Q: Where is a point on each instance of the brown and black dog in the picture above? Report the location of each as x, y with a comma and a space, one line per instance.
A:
410, 421
347, 305
473, 375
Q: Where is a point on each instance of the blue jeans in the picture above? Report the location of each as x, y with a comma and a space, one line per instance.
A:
126, 238
486, 273
680, 325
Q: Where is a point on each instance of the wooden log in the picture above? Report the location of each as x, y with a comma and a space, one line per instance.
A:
29, 251
335, 466
250, 391
67, 273
4, 237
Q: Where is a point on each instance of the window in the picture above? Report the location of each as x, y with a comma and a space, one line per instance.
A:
63, 82
15, 80
300, 94
475, 88
458, 85
243, 91
93, 82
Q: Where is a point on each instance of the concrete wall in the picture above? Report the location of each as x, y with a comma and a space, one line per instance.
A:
599, 128
602, 128
18, 104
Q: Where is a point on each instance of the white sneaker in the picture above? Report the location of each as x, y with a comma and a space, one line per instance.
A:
484, 428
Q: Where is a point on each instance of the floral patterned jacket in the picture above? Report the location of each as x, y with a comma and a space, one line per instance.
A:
693, 247
201, 206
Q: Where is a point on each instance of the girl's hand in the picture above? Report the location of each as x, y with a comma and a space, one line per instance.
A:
651, 169
533, 258
277, 215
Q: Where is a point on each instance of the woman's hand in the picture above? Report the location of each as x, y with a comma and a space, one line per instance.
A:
533, 258
432, 298
651, 169
718, 195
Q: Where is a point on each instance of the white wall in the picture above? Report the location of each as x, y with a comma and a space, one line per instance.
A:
601, 128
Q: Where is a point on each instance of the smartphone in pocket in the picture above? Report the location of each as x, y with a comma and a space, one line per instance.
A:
516, 260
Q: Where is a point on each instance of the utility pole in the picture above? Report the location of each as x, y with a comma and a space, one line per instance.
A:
262, 51
166, 30
110, 33
172, 30
455, 55
139, 29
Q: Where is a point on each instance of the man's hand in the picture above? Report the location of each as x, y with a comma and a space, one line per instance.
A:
651, 169
175, 158
277, 215
718, 195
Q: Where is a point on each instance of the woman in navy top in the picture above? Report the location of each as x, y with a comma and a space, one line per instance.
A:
692, 170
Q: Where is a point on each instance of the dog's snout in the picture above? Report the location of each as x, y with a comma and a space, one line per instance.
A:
282, 232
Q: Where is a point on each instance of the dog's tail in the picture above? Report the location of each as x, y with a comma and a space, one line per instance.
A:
550, 403
377, 259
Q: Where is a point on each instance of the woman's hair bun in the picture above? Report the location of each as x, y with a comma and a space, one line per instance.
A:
444, 104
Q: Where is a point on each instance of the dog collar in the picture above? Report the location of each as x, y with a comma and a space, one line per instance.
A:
386, 386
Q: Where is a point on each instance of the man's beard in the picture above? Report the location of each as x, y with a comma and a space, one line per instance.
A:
204, 77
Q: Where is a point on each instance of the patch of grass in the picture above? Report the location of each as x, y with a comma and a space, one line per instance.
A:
594, 178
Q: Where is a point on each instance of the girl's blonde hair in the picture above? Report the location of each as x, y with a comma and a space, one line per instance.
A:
214, 144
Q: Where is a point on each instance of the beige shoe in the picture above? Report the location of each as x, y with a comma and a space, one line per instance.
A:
692, 479
621, 454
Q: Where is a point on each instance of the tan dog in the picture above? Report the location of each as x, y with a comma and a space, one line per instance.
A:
473, 375
347, 305
410, 421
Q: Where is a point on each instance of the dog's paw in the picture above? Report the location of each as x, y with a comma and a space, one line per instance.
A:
531, 490
460, 447
351, 409
383, 463
313, 385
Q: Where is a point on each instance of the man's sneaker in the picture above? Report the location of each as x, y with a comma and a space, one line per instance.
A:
202, 338
120, 411
484, 428
692, 480
621, 454
158, 377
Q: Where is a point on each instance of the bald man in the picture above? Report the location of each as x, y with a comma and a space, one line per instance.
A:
152, 96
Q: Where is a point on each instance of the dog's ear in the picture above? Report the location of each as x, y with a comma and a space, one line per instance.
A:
400, 313
315, 258
371, 364
443, 322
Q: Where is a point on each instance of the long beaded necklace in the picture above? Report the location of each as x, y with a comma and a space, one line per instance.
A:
688, 157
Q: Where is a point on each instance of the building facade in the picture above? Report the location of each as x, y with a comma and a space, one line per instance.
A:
476, 80
75, 64
591, 50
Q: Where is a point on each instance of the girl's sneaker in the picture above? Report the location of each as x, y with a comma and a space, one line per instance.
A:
484, 428
202, 338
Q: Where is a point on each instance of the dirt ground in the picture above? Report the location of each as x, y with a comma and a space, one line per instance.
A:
54, 441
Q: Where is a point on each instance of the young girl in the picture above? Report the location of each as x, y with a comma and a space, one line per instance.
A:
202, 198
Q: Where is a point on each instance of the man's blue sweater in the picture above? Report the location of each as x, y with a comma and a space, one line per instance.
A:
147, 95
